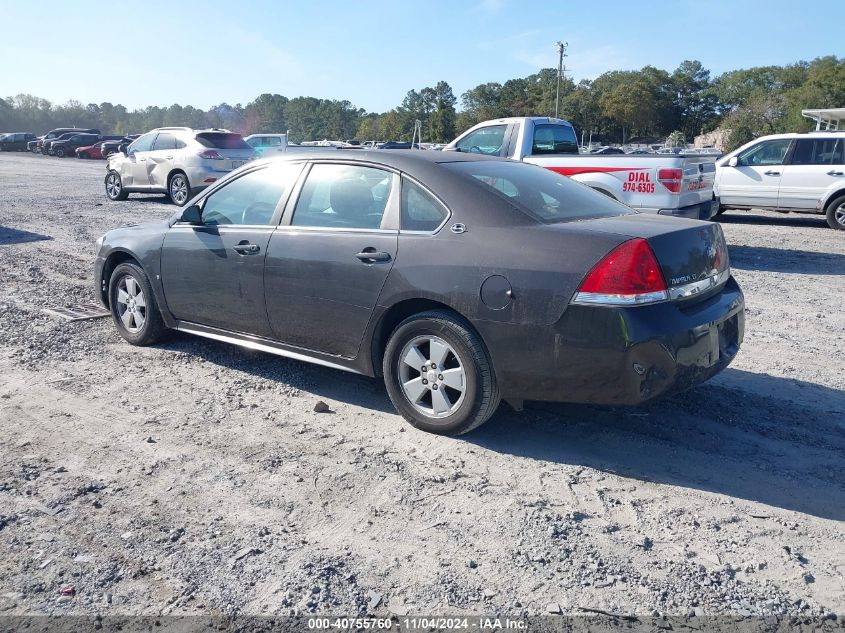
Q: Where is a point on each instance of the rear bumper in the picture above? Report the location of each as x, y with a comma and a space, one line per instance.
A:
701, 211
622, 356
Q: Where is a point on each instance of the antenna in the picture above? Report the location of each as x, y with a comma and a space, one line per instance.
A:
561, 49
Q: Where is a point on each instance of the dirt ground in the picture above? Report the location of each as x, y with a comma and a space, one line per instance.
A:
194, 477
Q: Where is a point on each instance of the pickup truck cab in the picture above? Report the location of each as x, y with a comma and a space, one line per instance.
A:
801, 173
666, 184
264, 143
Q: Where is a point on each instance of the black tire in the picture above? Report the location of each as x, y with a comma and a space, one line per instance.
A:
114, 187
60, 152
835, 213
151, 326
179, 189
721, 210
481, 394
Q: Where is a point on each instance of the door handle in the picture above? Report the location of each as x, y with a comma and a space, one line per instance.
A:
168, 158
833, 172
142, 160
246, 249
371, 255
772, 173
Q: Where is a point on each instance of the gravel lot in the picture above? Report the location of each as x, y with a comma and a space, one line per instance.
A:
194, 477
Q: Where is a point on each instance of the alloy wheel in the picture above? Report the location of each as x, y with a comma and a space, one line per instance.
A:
113, 186
839, 215
178, 189
432, 376
131, 304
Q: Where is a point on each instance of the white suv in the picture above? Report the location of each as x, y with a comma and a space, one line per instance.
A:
804, 173
178, 161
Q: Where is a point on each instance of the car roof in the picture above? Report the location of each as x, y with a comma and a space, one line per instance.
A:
811, 134
401, 159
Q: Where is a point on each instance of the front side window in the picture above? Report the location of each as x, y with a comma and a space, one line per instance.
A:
488, 140
142, 144
766, 153
818, 151
420, 210
343, 196
544, 195
252, 198
165, 141
272, 141
554, 139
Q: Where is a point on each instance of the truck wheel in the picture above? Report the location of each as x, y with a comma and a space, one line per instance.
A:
438, 374
60, 152
836, 214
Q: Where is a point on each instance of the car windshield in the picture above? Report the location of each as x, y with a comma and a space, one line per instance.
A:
222, 140
543, 194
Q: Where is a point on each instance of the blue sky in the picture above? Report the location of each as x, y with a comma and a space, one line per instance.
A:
372, 52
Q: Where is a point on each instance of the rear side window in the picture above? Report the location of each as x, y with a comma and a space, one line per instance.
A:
343, 196
420, 211
222, 140
818, 151
544, 195
165, 141
252, 198
488, 140
554, 139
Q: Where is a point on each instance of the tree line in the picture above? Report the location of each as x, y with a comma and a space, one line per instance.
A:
614, 108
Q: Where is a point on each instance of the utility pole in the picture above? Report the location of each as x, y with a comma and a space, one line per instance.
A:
561, 49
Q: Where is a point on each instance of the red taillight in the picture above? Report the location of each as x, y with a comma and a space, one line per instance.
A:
629, 274
210, 153
671, 179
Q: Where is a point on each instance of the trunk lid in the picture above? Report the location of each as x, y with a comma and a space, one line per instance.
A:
693, 255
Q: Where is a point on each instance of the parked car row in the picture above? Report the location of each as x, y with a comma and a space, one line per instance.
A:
15, 141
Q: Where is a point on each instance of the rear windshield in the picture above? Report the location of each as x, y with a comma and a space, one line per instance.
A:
554, 139
222, 140
543, 194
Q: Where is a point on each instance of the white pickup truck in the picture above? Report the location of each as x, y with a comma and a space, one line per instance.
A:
666, 184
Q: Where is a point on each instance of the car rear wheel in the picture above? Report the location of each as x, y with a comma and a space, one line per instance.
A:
82, 155
179, 189
836, 214
133, 305
114, 187
60, 152
438, 374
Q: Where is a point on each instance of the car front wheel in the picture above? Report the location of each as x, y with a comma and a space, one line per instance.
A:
179, 189
836, 214
60, 152
438, 374
133, 305
114, 187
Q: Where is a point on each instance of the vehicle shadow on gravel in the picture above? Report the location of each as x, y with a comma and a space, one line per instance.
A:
786, 260
746, 435
796, 220
719, 437
9, 235
323, 382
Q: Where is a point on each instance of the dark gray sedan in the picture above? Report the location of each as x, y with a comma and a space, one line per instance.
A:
462, 280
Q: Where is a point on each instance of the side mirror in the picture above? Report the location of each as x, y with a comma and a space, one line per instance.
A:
733, 162
192, 215
123, 148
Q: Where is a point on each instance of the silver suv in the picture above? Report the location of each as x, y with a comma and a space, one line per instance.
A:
178, 161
